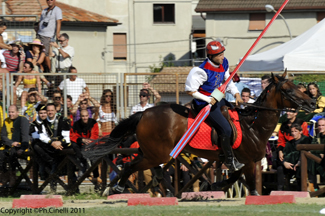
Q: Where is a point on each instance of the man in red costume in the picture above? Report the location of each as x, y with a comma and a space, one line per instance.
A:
84, 131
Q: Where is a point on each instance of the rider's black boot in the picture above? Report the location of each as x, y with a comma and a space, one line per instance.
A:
230, 161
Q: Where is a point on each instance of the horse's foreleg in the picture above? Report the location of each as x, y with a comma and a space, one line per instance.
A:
249, 171
225, 184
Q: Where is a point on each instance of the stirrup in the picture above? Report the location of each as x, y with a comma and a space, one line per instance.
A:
234, 165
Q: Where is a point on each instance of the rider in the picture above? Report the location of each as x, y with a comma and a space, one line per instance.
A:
201, 82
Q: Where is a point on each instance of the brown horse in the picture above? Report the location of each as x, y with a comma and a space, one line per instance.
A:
158, 130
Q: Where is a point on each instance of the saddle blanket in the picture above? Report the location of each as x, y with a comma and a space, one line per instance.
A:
202, 137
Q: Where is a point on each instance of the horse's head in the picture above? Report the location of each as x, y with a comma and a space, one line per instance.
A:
288, 95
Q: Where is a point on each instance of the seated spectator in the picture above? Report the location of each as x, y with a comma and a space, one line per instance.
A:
145, 98
319, 138
39, 134
291, 156
36, 56
75, 85
29, 81
15, 57
58, 102
285, 131
82, 104
83, 132
3, 46
15, 139
34, 99
70, 106
106, 114
55, 138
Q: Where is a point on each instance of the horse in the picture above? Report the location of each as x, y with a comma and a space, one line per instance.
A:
158, 130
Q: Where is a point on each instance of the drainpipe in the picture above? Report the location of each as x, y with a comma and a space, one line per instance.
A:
3, 7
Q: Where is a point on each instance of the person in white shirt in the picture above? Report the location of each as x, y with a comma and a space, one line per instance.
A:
144, 99
65, 53
75, 85
200, 84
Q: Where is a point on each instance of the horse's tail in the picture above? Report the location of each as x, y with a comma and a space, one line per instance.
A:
126, 127
103, 146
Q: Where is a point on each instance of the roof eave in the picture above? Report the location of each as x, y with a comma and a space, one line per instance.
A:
229, 10
92, 24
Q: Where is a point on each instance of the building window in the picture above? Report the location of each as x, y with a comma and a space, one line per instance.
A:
119, 48
256, 21
164, 13
320, 16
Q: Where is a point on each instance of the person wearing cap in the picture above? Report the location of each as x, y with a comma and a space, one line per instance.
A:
36, 55
144, 99
201, 82
15, 139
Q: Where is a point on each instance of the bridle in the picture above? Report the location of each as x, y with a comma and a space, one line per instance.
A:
285, 95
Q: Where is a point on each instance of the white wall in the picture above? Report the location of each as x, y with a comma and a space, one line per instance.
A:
233, 30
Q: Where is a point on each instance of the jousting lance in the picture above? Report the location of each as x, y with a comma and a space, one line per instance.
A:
218, 94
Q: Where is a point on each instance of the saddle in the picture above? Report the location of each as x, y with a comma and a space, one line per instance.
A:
214, 133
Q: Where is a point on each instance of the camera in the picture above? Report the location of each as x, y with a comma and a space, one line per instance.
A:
45, 24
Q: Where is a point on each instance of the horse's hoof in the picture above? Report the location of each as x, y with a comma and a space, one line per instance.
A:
254, 193
107, 192
216, 187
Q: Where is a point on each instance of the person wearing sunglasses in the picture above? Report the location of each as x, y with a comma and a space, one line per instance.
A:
65, 54
58, 102
83, 104
106, 114
145, 98
49, 27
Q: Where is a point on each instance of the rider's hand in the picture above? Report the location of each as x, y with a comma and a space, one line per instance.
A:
213, 101
238, 99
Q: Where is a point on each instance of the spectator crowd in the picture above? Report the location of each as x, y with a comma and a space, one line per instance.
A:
38, 122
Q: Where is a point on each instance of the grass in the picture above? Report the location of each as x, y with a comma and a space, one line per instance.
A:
266, 210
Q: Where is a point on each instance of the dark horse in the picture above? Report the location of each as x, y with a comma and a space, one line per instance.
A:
158, 130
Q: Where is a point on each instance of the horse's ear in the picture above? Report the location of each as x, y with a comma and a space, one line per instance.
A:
276, 80
284, 75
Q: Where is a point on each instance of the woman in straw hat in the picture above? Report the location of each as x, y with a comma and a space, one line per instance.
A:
36, 56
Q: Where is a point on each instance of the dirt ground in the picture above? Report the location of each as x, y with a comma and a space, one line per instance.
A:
212, 202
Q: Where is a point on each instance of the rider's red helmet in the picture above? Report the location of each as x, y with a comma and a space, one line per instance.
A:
215, 47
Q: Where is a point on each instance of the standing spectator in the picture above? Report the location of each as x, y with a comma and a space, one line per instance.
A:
314, 93
75, 85
49, 27
36, 56
291, 157
265, 81
15, 137
240, 86
34, 99
29, 80
246, 95
65, 53
285, 131
82, 104
106, 114
144, 99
